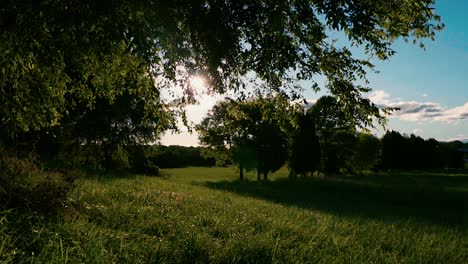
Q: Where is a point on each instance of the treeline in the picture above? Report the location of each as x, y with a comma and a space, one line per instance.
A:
414, 153
266, 132
138, 158
145, 159
178, 156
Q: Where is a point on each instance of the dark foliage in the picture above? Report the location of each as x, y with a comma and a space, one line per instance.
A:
180, 157
271, 146
24, 186
414, 153
336, 130
305, 148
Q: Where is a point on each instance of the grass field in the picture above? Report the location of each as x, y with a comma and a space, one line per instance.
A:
200, 215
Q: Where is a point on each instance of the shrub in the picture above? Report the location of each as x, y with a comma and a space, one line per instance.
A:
23, 185
140, 162
120, 159
150, 169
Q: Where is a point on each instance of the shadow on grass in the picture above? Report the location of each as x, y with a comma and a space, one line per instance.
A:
426, 198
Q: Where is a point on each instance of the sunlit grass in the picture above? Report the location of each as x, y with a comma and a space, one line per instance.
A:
205, 215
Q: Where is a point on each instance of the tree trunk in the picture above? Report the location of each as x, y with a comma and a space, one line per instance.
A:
107, 156
96, 155
265, 175
258, 175
241, 172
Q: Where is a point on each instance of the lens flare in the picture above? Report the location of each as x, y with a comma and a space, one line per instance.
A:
198, 83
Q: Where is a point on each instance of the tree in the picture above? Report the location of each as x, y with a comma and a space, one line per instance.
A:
336, 130
225, 138
305, 147
249, 133
394, 155
366, 153
452, 155
123, 122
271, 144
245, 156
133, 114
51, 51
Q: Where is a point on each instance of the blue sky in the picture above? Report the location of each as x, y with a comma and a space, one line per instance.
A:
430, 86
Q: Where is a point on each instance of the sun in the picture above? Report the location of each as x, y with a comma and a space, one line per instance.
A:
198, 83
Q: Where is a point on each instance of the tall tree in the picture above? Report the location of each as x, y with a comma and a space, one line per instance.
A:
336, 130
304, 147
271, 144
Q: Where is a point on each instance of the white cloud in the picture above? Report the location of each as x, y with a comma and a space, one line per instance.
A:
380, 97
417, 131
417, 111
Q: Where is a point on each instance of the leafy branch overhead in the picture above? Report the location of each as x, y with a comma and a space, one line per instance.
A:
56, 54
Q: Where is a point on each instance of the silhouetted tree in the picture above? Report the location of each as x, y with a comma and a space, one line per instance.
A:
394, 155
367, 153
305, 147
271, 144
336, 131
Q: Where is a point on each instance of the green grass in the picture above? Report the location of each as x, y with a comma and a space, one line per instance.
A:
200, 215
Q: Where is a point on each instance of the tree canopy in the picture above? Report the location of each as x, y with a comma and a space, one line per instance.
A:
249, 133
58, 55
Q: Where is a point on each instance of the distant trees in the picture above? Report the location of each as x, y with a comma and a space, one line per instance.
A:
326, 140
148, 159
260, 134
414, 153
179, 156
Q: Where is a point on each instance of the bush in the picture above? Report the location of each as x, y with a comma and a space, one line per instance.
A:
140, 162
23, 185
150, 169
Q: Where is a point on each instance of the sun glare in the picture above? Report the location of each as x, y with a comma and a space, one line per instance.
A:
198, 83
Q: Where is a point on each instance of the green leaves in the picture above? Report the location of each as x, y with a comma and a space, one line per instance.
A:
57, 55
251, 133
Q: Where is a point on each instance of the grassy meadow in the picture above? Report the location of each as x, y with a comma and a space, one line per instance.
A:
200, 215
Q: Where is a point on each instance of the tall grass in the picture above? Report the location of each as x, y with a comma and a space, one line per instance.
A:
200, 215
